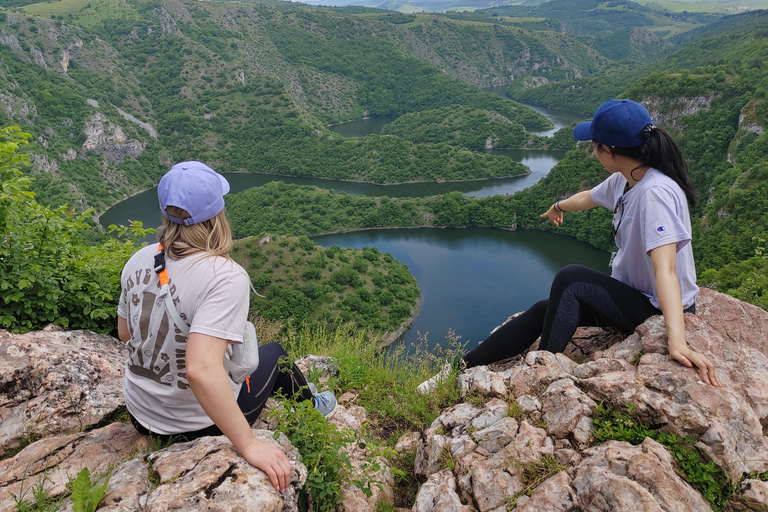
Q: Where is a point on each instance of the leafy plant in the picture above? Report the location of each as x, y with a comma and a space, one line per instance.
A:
87, 494
48, 272
711, 481
324, 451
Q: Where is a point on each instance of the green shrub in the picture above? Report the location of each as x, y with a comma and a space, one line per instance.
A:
324, 451
49, 273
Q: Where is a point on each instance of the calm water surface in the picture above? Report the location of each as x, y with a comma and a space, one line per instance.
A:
559, 117
472, 279
362, 127
144, 206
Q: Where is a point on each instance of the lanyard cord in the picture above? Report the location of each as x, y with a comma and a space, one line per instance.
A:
162, 273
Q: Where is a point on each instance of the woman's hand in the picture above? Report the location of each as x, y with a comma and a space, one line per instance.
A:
576, 203
664, 261
554, 216
210, 384
690, 358
271, 460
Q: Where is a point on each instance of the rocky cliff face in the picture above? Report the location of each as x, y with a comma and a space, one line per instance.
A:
667, 113
537, 415
61, 390
524, 438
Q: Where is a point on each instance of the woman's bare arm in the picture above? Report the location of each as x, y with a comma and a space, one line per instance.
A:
664, 260
210, 384
576, 203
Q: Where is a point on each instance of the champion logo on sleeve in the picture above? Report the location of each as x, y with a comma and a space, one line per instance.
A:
660, 229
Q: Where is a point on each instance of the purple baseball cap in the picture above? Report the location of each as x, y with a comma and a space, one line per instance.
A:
194, 187
618, 123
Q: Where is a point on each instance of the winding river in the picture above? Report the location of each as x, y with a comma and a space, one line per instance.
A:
471, 279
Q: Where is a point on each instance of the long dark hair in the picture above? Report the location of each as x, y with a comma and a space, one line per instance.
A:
662, 152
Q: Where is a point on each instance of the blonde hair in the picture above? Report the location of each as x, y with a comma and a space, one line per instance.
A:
212, 237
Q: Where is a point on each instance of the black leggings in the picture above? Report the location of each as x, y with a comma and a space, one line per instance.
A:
580, 296
275, 374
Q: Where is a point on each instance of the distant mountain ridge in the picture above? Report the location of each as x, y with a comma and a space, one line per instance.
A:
237, 83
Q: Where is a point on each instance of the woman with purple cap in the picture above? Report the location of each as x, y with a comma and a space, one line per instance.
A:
649, 190
184, 304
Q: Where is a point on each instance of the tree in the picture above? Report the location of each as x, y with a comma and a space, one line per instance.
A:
48, 274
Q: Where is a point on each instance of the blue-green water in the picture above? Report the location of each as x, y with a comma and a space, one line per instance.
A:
144, 206
473, 279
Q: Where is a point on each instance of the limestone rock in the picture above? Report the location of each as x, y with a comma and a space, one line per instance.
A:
568, 411
207, 473
103, 136
481, 380
438, 494
554, 495
530, 444
408, 442
726, 421
554, 402
54, 461
753, 495
429, 453
497, 435
541, 369
55, 381
617, 476
493, 483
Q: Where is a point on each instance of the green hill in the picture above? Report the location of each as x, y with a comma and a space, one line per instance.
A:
116, 91
301, 282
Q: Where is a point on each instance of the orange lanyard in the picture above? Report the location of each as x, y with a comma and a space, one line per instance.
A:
160, 265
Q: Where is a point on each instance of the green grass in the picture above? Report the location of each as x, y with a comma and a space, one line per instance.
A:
385, 379
705, 7
60, 7
386, 382
85, 13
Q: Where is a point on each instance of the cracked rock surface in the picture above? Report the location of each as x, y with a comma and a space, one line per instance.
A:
205, 474
524, 440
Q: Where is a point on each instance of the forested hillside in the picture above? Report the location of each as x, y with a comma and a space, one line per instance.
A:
711, 94
115, 91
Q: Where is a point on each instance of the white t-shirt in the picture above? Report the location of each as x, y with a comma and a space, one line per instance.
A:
211, 294
653, 213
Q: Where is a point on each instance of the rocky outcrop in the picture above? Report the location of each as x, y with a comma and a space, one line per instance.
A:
55, 382
526, 441
205, 474
642, 36
103, 136
523, 439
667, 114
150, 130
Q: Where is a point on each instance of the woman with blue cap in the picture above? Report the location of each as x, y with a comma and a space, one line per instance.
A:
649, 190
183, 307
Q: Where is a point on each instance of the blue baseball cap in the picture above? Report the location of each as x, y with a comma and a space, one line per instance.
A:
195, 188
618, 123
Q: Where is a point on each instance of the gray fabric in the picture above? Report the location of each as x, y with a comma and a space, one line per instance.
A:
651, 214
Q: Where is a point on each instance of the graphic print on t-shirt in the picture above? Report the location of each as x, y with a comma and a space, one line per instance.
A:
157, 351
